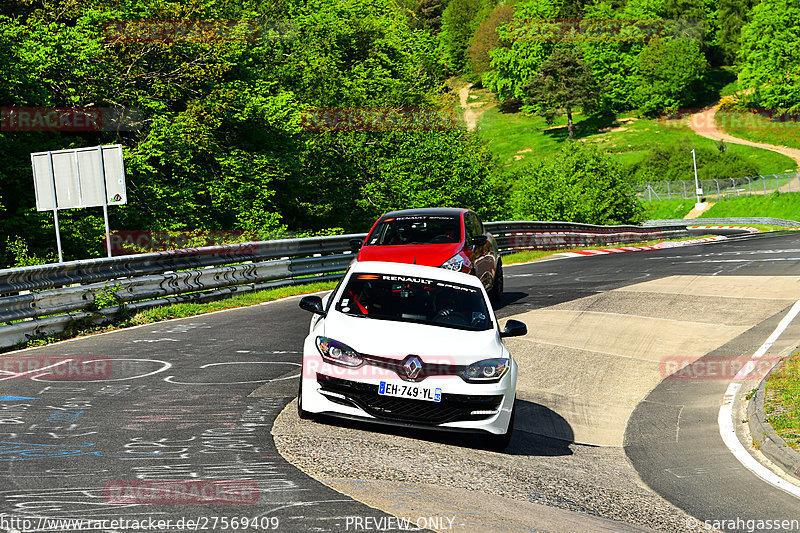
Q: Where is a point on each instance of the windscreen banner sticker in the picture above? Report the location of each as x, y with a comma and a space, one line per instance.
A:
420, 217
423, 281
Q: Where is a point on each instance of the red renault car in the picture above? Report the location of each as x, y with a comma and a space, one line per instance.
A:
440, 237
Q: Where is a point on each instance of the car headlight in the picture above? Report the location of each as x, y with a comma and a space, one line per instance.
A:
454, 263
486, 371
338, 353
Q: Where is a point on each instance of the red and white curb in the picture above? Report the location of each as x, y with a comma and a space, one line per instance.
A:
749, 229
659, 246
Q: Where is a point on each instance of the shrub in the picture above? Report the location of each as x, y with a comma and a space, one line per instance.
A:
674, 163
578, 185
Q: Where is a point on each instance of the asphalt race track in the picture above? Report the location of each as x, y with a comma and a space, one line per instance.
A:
196, 399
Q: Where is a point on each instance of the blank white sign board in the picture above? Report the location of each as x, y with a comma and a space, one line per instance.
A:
79, 180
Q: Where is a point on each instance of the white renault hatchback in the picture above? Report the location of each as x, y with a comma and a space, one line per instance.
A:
410, 345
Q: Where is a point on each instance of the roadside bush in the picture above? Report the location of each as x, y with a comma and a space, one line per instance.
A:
578, 185
674, 163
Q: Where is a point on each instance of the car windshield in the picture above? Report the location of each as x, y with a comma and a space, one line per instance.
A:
412, 299
416, 229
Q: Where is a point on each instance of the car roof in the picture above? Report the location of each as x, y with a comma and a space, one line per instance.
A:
419, 271
427, 211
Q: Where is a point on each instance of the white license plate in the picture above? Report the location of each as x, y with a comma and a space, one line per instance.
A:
406, 390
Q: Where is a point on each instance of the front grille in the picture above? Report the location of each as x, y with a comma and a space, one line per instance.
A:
452, 408
428, 369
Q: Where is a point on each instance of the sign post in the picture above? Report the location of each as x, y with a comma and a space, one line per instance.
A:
78, 178
55, 211
700, 205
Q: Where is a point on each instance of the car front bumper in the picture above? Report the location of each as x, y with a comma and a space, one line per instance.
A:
353, 393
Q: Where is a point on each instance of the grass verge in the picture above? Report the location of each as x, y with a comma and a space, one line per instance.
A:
782, 402
667, 209
775, 205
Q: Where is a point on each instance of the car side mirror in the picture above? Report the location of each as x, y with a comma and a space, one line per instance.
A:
355, 244
479, 240
314, 304
514, 328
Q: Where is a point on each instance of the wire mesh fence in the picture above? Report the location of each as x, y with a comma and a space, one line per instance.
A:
719, 189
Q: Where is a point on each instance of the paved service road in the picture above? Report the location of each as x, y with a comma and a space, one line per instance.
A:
195, 399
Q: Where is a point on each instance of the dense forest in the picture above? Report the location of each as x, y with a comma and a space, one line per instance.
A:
220, 138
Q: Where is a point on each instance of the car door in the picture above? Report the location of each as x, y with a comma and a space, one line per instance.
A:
482, 257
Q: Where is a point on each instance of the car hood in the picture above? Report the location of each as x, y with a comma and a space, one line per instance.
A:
386, 338
423, 254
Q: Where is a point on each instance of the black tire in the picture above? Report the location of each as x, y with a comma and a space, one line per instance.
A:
301, 413
500, 442
496, 294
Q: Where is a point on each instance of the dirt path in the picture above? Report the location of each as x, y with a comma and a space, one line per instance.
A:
471, 113
702, 123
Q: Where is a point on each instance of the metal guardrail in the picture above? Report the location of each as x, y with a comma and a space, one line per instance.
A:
44, 299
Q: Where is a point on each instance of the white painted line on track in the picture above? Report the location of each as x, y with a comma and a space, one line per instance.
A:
725, 418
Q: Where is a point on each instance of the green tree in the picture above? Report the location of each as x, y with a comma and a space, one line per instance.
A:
526, 42
564, 82
579, 184
430, 13
733, 16
667, 72
486, 38
770, 56
459, 22
613, 57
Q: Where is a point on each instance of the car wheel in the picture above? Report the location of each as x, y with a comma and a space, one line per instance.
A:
500, 442
497, 287
301, 413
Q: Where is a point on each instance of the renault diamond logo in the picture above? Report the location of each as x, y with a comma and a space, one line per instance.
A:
412, 366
